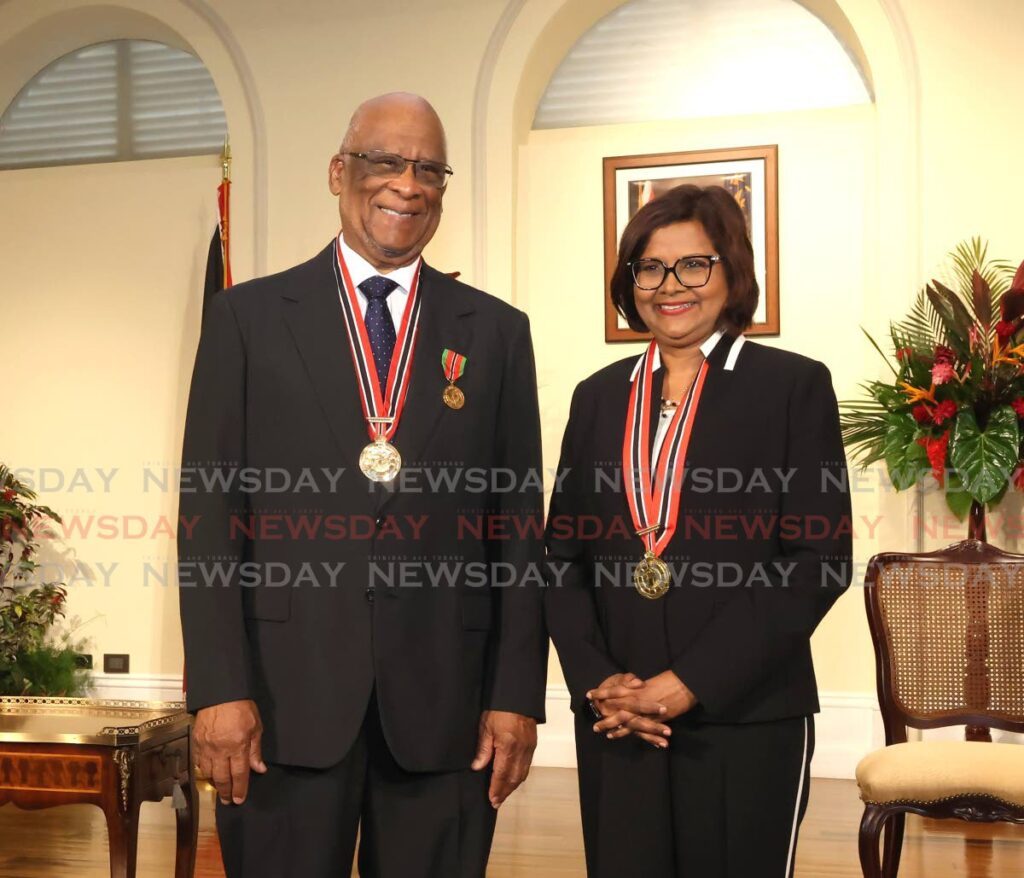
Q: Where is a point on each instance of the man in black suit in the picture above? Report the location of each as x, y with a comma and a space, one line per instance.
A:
347, 637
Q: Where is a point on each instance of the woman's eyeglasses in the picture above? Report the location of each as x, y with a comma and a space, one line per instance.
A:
690, 271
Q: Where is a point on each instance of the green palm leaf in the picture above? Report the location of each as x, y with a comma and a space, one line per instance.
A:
865, 425
972, 256
922, 327
874, 344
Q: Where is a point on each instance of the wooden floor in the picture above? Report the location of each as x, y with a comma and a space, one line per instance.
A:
538, 836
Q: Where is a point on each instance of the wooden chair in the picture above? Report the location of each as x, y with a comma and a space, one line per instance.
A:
948, 631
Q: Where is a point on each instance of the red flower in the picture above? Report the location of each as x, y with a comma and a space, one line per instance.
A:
944, 411
942, 372
8, 495
1004, 330
944, 354
936, 451
904, 354
1018, 406
922, 414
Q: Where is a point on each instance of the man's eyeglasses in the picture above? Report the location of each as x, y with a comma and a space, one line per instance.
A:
389, 166
691, 271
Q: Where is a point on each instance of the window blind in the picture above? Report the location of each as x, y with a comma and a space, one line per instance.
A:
670, 59
119, 100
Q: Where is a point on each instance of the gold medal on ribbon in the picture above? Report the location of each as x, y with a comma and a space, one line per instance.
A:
382, 396
654, 488
453, 397
651, 577
453, 365
380, 460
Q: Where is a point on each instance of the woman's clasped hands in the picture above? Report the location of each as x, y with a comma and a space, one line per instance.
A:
629, 705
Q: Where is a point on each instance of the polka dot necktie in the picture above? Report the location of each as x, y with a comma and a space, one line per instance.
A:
379, 325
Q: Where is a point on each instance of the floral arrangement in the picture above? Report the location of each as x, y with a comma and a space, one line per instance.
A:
954, 408
34, 659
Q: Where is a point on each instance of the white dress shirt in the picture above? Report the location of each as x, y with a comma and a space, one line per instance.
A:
359, 270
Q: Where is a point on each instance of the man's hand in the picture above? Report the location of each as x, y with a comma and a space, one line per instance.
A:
627, 707
226, 740
511, 739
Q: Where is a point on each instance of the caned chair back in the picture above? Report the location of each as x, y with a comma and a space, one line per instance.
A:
948, 631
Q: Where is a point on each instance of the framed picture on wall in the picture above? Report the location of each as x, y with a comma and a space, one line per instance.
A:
749, 173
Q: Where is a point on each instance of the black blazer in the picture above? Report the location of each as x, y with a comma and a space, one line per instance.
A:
763, 547
274, 393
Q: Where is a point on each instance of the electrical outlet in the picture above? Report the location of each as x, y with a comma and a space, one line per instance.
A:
115, 663
83, 660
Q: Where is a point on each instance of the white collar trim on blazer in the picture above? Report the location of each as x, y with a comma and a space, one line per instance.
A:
706, 348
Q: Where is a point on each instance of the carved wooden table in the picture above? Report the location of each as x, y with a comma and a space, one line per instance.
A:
114, 754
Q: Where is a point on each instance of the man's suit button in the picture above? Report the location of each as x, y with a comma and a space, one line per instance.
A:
369, 593
380, 521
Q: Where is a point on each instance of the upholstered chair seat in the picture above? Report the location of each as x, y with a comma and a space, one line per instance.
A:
929, 772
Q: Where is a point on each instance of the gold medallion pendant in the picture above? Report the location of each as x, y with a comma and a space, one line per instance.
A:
651, 577
453, 397
380, 460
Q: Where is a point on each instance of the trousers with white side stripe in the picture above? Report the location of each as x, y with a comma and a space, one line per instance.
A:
724, 801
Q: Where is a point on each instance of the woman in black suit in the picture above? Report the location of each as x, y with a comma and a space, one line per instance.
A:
699, 535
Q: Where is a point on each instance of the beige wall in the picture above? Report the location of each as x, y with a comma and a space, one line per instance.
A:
101, 265
102, 279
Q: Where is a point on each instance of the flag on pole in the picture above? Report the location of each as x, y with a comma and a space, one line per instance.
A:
218, 260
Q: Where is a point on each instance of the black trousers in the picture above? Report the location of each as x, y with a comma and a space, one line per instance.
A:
302, 822
723, 801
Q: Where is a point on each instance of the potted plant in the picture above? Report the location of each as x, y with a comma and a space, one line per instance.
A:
953, 410
35, 657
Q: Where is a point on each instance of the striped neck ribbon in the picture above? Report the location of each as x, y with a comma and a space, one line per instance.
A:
654, 495
382, 406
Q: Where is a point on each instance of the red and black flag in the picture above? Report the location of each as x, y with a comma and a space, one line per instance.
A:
218, 261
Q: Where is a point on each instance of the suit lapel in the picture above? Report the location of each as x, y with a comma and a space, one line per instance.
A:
710, 399
313, 314
710, 423
444, 323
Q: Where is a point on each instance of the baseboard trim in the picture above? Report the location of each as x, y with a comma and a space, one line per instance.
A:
848, 727
556, 739
137, 687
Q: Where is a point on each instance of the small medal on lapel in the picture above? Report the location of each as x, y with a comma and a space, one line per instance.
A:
453, 365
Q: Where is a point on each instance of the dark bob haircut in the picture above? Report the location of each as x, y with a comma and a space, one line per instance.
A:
723, 221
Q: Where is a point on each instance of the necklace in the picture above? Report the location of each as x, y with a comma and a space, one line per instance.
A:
670, 405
